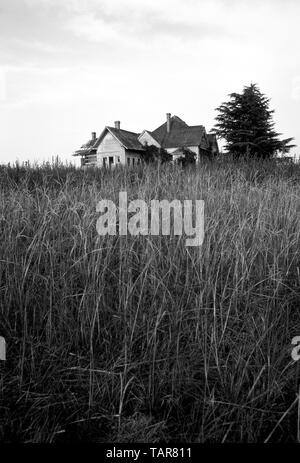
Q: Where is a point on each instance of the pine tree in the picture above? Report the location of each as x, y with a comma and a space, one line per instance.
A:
245, 122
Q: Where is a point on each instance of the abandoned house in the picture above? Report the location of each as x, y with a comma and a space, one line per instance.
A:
116, 146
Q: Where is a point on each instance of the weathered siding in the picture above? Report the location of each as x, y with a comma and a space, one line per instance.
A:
89, 160
110, 147
132, 158
147, 138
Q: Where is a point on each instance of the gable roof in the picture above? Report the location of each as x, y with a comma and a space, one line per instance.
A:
149, 133
175, 124
189, 136
180, 134
129, 140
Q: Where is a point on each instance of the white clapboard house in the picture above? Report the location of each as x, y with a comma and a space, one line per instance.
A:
115, 146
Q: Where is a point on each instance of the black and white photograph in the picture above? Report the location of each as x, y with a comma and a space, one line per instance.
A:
149, 225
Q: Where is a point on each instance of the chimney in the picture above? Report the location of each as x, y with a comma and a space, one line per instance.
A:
168, 122
93, 135
117, 125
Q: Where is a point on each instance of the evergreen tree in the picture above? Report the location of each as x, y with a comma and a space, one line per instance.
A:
245, 122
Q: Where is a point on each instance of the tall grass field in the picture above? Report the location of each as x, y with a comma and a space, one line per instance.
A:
140, 338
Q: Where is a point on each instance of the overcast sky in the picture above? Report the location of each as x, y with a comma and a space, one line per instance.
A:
69, 67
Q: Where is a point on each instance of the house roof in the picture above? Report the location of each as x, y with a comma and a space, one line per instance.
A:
150, 133
127, 139
86, 148
180, 134
175, 124
189, 136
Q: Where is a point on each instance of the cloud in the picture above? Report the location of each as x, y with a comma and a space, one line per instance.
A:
76, 64
92, 28
143, 21
3, 92
24, 86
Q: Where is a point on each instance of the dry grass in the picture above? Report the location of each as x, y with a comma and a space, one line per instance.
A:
139, 338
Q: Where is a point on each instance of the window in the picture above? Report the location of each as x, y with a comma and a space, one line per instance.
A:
128, 161
111, 160
104, 162
118, 159
133, 160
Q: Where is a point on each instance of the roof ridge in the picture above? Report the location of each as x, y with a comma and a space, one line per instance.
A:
198, 125
123, 130
189, 127
177, 118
